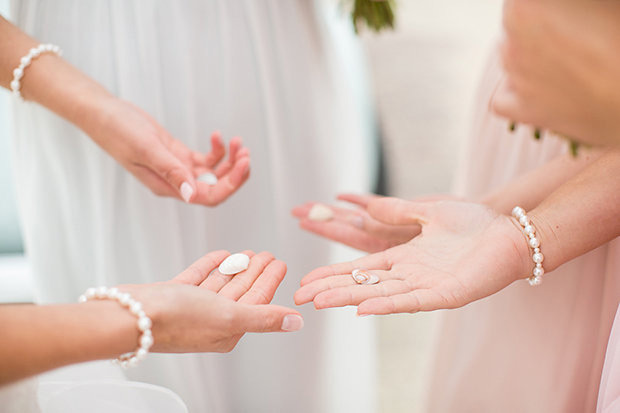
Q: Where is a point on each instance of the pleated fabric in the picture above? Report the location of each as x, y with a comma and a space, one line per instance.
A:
524, 349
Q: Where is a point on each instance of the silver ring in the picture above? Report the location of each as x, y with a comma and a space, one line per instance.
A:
364, 277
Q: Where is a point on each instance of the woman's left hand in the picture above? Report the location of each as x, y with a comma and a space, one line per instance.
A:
466, 252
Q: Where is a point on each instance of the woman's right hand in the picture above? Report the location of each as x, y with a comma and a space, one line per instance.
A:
202, 310
164, 164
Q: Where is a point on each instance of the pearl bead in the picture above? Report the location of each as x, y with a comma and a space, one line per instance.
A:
82, 299
517, 212
534, 281
141, 354
112, 293
101, 292
144, 323
25, 61
524, 220
124, 299
18, 73
536, 249
529, 230
135, 307
15, 85
534, 242
538, 257
538, 272
90, 293
146, 342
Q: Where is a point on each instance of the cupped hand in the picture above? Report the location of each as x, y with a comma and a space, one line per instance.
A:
357, 227
466, 252
164, 164
561, 64
202, 310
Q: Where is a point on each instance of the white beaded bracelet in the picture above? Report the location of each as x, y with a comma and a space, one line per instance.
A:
530, 232
25, 61
144, 322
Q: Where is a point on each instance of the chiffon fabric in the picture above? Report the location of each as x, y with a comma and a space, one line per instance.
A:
524, 349
286, 76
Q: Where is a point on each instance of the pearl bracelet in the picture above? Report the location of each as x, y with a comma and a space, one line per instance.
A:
530, 232
25, 62
144, 322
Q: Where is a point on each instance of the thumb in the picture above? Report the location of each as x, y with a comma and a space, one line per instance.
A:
266, 318
174, 172
395, 211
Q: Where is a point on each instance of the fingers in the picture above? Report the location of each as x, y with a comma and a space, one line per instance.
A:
356, 294
346, 234
173, 171
225, 167
226, 185
264, 288
266, 318
199, 270
241, 283
410, 302
218, 150
395, 211
357, 199
378, 261
215, 281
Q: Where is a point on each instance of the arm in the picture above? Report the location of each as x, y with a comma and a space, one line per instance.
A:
562, 66
468, 251
188, 315
128, 134
357, 228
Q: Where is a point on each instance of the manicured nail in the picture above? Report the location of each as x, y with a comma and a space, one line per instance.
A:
357, 221
186, 191
292, 322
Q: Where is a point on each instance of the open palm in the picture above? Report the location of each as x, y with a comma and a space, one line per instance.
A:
466, 252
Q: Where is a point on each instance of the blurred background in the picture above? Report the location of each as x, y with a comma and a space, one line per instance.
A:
424, 77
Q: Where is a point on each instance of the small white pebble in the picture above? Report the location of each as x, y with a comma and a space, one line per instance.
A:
320, 212
208, 178
234, 264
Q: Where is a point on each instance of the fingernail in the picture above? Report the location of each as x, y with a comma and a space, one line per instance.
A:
292, 322
357, 221
363, 315
186, 191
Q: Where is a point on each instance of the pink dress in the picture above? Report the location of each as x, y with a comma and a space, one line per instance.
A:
524, 349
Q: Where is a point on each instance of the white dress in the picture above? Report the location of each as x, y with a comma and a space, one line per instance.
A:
285, 76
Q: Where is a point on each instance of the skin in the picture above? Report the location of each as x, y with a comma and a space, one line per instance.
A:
127, 133
468, 251
357, 228
216, 311
562, 65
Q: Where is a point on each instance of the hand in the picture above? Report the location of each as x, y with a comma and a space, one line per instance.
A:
358, 228
466, 252
202, 310
562, 66
165, 165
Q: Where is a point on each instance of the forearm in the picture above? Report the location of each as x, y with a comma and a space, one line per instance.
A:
40, 338
582, 214
49, 80
531, 189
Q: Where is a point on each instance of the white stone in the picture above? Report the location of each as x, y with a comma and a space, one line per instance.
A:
208, 178
234, 264
320, 212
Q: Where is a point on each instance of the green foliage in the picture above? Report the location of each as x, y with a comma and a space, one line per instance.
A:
375, 14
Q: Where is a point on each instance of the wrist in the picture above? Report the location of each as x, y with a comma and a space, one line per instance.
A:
523, 260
